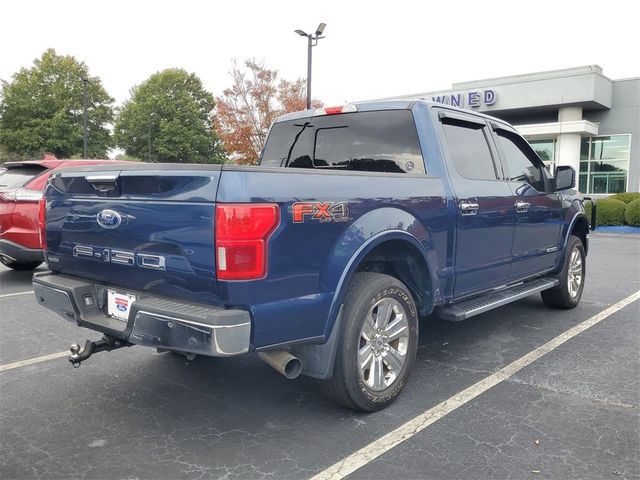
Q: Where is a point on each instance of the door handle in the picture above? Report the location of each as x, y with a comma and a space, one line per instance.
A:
468, 208
103, 183
522, 207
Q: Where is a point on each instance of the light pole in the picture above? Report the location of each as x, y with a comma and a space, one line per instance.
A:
85, 136
312, 41
149, 154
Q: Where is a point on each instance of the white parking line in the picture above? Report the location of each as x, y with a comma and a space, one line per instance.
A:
394, 438
15, 294
31, 361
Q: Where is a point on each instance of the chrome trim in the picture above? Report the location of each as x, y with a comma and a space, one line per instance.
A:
7, 257
522, 207
468, 208
191, 322
103, 183
159, 330
82, 250
102, 178
110, 215
158, 261
122, 257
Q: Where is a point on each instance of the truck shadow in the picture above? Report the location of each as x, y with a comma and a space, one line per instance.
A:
245, 385
15, 279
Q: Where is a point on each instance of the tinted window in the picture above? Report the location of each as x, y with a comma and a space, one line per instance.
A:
18, 176
521, 166
383, 141
469, 150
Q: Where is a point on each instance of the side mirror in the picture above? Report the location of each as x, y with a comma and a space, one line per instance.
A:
565, 178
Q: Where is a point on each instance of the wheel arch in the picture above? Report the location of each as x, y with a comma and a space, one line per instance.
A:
371, 253
579, 226
318, 360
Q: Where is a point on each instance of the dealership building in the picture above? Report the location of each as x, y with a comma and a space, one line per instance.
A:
576, 116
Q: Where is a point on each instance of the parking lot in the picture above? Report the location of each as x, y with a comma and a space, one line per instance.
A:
134, 413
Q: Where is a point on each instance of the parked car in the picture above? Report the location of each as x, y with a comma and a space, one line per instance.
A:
359, 220
21, 185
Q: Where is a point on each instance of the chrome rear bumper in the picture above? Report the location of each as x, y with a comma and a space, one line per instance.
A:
153, 321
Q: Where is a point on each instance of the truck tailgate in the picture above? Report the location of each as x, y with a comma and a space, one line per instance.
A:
148, 227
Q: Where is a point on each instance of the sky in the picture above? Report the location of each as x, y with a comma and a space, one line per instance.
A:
372, 49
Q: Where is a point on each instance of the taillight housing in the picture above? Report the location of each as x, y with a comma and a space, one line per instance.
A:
42, 217
349, 108
242, 232
21, 195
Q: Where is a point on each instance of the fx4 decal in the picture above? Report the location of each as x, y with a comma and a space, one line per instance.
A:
321, 211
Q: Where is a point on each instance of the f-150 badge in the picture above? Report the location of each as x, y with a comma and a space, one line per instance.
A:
321, 211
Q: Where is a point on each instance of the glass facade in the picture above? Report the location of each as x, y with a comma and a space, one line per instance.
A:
546, 150
604, 164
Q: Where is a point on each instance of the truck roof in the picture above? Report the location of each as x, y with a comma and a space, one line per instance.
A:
369, 106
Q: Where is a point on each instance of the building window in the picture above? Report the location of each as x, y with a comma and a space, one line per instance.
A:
604, 164
546, 150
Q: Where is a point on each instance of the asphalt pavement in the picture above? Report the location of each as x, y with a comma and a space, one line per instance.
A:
134, 413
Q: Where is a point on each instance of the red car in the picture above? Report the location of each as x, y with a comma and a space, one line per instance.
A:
21, 186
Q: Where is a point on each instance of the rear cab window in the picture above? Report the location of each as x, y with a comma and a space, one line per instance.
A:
19, 176
378, 141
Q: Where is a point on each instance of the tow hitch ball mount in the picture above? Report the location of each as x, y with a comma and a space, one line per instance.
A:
105, 345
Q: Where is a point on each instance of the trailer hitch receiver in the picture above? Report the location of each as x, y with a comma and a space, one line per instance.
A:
105, 345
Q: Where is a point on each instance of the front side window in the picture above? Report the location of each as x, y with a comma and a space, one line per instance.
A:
469, 150
604, 164
545, 149
380, 141
521, 167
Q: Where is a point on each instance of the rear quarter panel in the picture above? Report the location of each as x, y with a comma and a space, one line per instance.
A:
309, 262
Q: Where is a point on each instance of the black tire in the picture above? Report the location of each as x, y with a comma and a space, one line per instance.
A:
20, 266
561, 296
364, 295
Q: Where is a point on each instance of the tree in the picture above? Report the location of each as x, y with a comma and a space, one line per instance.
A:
168, 119
245, 110
42, 110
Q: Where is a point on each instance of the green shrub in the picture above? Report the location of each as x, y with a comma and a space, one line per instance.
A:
626, 197
632, 213
609, 211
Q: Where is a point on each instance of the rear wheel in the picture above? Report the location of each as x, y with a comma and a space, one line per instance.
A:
20, 266
567, 294
378, 343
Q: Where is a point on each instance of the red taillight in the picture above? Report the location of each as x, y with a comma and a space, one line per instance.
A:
242, 231
42, 217
332, 110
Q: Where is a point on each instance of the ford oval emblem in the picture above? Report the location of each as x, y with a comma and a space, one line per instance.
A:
109, 219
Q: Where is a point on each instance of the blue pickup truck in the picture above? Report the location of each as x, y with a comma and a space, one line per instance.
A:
359, 221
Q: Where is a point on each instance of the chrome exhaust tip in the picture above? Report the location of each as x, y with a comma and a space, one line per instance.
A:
283, 362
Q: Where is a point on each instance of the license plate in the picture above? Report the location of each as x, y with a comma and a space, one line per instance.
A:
119, 304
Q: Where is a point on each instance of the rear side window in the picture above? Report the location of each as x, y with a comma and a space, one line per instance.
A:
382, 141
469, 150
15, 177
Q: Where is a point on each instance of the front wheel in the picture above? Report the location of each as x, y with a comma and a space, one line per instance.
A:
567, 294
378, 343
